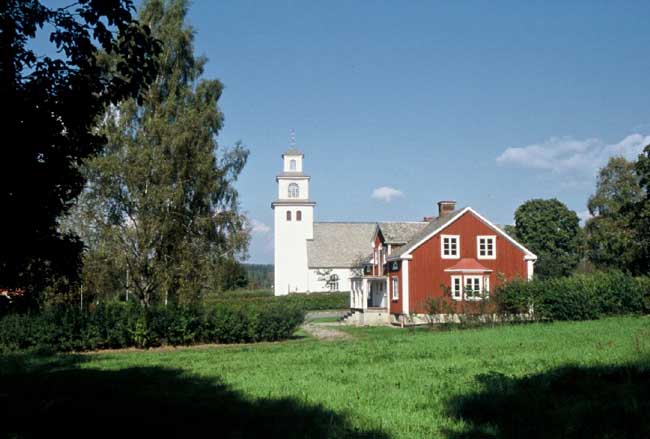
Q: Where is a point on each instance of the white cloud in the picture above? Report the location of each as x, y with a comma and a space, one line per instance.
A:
386, 194
259, 227
567, 155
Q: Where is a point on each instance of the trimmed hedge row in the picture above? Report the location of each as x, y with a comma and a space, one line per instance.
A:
308, 302
119, 325
578, 297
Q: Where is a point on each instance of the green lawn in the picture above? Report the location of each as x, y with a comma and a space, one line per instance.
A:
586, 379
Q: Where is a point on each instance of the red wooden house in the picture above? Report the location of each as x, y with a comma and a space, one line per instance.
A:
459, 253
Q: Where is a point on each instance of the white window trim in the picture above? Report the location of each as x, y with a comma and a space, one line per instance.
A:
334, 282
484, 287
394, 290
493, 238
460, 296
442, 247
291, 193
480, 287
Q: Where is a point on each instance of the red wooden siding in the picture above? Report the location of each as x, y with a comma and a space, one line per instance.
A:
426, 269
395, 306
379, 240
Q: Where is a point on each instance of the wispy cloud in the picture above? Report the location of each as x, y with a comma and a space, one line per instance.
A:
572, 156
259, 227
386, 194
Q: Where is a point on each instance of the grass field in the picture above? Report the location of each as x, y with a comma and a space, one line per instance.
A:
582, 379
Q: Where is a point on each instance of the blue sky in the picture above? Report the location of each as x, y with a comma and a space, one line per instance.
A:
486, 103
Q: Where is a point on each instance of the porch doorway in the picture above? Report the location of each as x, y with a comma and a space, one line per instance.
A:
378, 297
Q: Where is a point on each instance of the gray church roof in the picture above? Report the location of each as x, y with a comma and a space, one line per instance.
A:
343, 244
339, 245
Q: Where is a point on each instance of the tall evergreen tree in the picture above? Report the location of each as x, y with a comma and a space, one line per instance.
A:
163, 191
610, 238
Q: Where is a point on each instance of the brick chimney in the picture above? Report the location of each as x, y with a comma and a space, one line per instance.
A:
445, 208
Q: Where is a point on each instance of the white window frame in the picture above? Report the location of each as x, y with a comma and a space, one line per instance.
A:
395, 288
473, 278
293, 193
292, 164
457, 293
442, 246
334, 282
493, 239
484, 286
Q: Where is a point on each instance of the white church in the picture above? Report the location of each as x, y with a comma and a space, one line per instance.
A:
321, 256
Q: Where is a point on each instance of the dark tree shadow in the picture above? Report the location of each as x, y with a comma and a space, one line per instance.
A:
568, 402
55, 398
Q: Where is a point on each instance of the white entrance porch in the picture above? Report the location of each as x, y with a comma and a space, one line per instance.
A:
369, 292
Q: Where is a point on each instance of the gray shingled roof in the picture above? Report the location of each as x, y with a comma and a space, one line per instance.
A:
400, 232
293, 151
424, 232
339, 244
343, 244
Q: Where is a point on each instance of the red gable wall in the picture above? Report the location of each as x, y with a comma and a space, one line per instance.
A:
379, 241
426, 269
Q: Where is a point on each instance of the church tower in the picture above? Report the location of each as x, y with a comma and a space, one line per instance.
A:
293, 225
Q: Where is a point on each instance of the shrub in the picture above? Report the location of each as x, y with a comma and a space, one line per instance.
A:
306, 301
117, 325
577, 297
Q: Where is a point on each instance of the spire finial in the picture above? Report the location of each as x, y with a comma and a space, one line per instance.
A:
293, 138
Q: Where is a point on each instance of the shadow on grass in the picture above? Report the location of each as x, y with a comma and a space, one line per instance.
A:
53, 397
568, 402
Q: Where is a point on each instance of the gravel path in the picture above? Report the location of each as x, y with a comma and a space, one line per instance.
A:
325, 332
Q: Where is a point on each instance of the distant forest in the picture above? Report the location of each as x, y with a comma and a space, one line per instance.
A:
259, 276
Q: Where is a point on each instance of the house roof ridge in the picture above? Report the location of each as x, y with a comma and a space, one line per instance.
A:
345, 222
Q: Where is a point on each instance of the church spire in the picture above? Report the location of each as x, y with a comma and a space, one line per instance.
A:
292, 145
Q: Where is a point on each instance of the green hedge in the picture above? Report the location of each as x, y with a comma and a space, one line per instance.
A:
578, 297
308, 302
118, 325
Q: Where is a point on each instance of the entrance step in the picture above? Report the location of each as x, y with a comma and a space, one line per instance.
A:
368, 317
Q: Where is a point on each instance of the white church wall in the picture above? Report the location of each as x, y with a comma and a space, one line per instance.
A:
291, 267
318, 282
303, 188
287, 163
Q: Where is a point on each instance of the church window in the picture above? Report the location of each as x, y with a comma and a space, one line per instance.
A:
334, 282
288, 215
293, 190
292, 165
298, 215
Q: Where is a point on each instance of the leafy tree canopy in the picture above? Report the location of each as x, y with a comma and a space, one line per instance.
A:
50, 107
641, 211
161, 196
610, 241
552, 231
